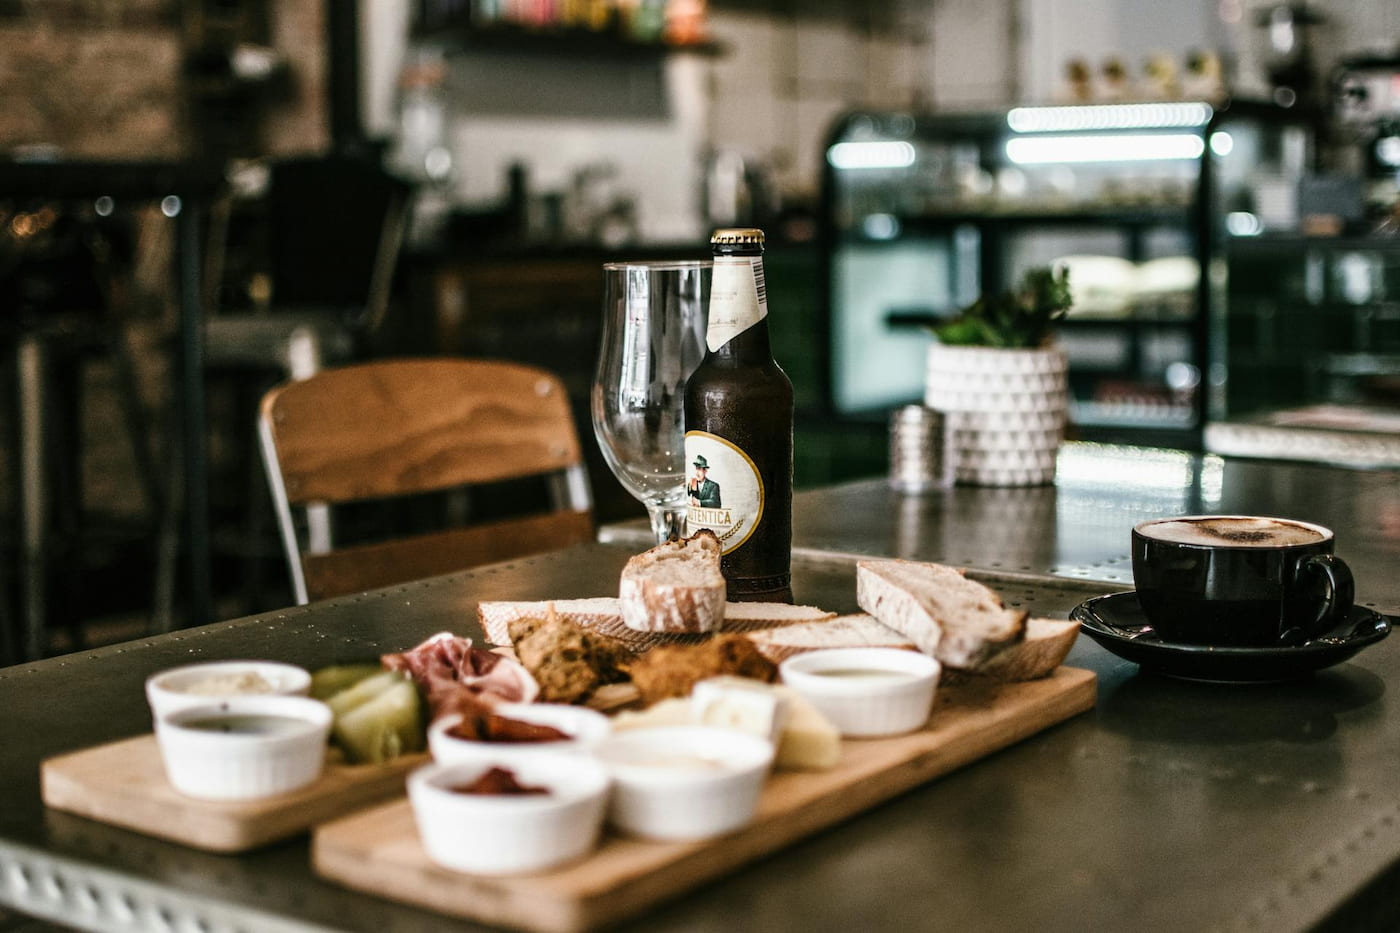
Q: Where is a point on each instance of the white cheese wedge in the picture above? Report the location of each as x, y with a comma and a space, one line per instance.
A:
740, 703
808, 742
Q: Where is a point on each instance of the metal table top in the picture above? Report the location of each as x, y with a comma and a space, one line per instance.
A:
1079, 527
1172, 805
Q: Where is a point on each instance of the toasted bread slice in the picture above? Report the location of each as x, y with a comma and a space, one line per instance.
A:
1044, 648
959, 621
850, 631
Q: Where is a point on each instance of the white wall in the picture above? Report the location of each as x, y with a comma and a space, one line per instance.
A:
1058, 30
655, 156
785, 78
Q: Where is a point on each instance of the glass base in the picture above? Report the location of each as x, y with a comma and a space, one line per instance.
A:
667, 523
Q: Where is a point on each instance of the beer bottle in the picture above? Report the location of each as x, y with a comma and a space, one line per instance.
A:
738, 429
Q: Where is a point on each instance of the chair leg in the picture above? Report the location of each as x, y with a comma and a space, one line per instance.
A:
138, 421
32, 367
168, 547
304, 360
304, 355
9, 638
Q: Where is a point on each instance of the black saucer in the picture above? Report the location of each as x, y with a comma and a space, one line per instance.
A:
1116, 622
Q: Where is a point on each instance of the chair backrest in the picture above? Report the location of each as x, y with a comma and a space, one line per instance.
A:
395, 428
336, 227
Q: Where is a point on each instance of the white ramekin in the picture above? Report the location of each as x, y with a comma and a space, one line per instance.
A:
656, 801
233, 766
509, 835
861, 708
588, 728
165, 690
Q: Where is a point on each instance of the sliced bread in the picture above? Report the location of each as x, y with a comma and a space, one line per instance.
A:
675, 587
1044, 648
753, 617
852, 631
959, 621
603, 614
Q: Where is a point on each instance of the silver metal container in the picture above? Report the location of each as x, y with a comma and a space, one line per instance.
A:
921, 456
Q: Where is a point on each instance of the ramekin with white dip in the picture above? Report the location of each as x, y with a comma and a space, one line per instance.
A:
684, 782
866, 692
199, 684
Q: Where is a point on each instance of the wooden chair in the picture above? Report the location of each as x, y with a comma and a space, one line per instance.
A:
396, 428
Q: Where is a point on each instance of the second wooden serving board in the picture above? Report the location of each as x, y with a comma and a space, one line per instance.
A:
123, 783
378, 850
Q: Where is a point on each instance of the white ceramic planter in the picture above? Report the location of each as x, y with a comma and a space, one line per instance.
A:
1005, 410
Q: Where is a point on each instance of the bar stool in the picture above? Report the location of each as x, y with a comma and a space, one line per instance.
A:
335, 228
48, 349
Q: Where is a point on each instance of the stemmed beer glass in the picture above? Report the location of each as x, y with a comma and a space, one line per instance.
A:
653, 338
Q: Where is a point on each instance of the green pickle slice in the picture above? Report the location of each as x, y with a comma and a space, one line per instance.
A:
362, 692
378, 719
328, 681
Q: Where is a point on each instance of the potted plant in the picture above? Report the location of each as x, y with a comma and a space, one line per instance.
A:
1000, 380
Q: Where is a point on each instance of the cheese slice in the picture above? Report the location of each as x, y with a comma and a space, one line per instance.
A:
739, 703
807, 741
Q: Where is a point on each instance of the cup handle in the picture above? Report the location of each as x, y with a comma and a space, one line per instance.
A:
1341, 594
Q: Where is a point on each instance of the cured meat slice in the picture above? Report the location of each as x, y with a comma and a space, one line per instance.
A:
453, 674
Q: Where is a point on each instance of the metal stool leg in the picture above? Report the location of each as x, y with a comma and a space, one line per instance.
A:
303, 362
33, 486
9, 641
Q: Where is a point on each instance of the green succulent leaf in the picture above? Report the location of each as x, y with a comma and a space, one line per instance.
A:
1019, 319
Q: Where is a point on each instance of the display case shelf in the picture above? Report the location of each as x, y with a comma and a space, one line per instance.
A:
556, 41
926, 212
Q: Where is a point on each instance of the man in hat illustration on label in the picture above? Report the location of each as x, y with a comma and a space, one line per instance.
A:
704, 492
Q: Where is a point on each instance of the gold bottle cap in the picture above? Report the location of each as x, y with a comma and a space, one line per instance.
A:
737, 236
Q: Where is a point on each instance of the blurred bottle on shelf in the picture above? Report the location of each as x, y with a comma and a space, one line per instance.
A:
421, 152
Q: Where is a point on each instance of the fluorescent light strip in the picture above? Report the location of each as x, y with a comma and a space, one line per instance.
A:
1108, 117
1147, 148
883, 154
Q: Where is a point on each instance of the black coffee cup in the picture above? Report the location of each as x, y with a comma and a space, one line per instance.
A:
1239, 580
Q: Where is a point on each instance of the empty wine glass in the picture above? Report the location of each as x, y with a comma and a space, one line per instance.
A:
653, 338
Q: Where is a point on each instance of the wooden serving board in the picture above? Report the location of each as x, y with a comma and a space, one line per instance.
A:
123, 783
378, 850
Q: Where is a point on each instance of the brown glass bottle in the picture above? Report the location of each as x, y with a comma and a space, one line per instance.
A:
738, 429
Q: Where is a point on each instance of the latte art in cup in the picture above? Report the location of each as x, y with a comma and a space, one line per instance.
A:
1232, 531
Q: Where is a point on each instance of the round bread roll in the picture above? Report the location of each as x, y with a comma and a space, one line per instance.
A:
675, 587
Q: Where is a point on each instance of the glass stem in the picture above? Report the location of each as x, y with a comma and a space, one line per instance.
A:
667, 522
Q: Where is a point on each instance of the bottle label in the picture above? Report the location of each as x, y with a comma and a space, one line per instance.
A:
738, 298
724, 489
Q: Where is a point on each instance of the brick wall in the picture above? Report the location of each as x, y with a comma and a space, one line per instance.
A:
103, 79
94, 90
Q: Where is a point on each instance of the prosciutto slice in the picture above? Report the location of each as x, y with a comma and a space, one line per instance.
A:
453, 674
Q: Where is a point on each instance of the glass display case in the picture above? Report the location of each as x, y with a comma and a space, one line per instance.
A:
922, 213
1311, 350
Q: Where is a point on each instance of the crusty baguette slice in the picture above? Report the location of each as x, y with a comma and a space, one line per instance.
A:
851, 631
752, 617
959, 621
676, 586
603, 614
1044, 648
